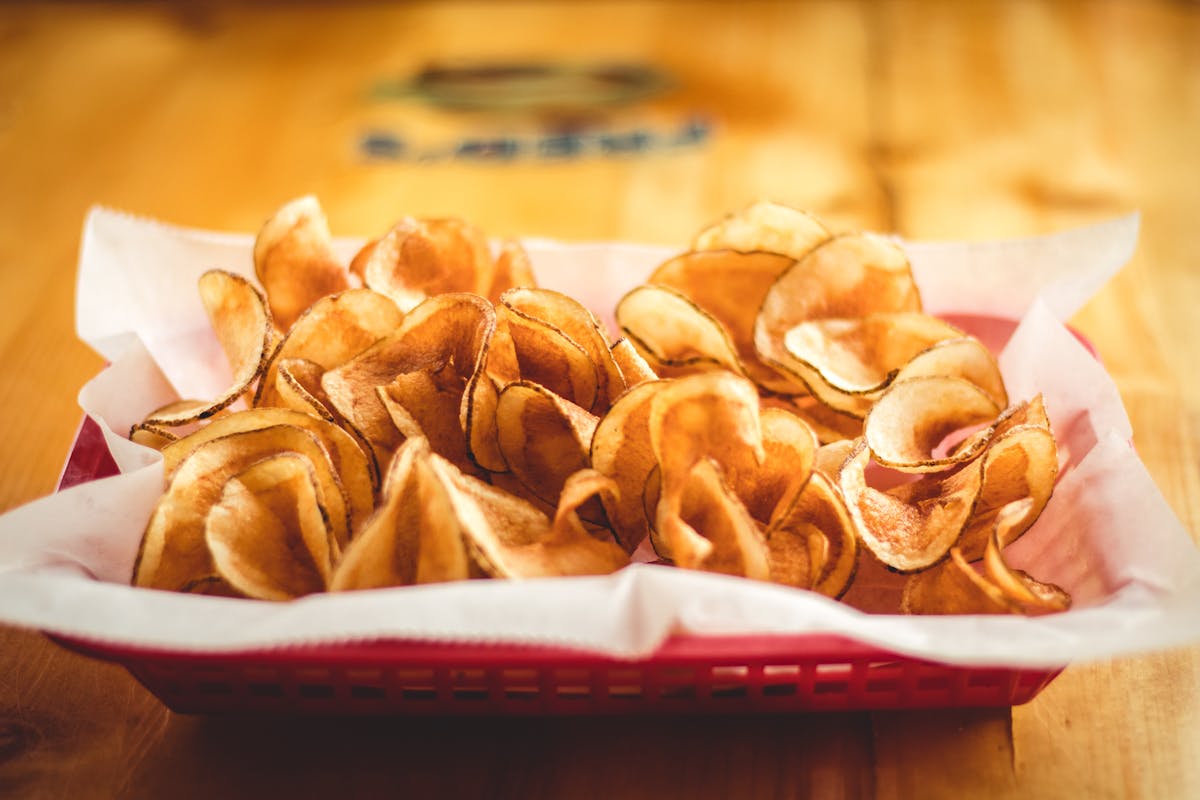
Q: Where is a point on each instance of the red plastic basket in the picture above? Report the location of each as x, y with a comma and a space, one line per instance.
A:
688, 674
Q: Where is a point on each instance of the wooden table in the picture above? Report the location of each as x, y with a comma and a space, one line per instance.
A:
937, 120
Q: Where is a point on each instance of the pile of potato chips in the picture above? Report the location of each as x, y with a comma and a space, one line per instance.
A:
777, 407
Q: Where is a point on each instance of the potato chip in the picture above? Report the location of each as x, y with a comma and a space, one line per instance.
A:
544, 439
545, 354
509, 538
574, 321
620, 449
709, 529
634, 369
294, 260
913, 525
956, 587
729, 287
331, 332
268, 535
770, 487
173, 552
1020, 464
512, 269
421, 258
426, 403
674, 334
240, 319
346, 472
414, 537
914, 417
446, 331
710, 415
813, 544
764, 226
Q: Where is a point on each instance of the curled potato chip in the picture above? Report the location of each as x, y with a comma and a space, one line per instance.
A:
729, 287
675, 335
173, 552
242, 323
770, 487
634, 368
416, 534
544, 439
509, 538
420, 258
268, 535
913, 525
710, 529
330, 332
576, 323
339, 460
847, 362
512, 269
295, 262
426, 403
447, 330
956, 587
1020, 464
910, 420
813, 545
709, 415
764, 226
620, 449
545, 354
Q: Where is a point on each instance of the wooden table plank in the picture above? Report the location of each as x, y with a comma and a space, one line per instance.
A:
934, 120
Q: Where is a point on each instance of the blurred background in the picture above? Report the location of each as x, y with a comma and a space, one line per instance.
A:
638, 121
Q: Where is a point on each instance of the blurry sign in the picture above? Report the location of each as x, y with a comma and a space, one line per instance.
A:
509, 111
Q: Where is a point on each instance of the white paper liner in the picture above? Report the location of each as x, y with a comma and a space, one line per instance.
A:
1107, 536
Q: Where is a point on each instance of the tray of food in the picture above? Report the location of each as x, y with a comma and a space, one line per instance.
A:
779, 468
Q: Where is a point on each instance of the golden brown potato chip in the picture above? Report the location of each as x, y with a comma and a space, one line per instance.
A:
173, 552
1028, 595
268, 535
295, 262
332, 331
847, 276
574, 321
426, 403
513, 269
1020, 464
547, 355
415, 536
509, 538
764, 226
240, 319
711, 415
620, 449
913, 525
729, 287
347, 465
634, 369
956, 587
813, 545
544, 439
770, 487
709, 529
674, 334
847, 362
447, 330
420, 258
912, 419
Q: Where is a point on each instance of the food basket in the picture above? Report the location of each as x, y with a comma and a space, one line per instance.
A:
646, 639
687, 674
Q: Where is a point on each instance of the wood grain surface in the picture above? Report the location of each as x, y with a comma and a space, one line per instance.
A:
934, 120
